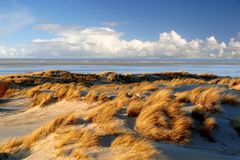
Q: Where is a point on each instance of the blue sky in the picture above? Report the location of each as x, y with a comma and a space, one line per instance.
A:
21, 26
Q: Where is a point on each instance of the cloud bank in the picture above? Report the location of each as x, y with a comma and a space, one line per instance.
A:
75, 41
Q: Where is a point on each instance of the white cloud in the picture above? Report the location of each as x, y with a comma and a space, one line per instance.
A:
14, 19
5, 52
74, 41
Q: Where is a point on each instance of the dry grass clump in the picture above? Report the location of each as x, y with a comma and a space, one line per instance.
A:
163, 94
207, 121
106, 88
33, 91
91, 97
47, 93
143, 87
234, 84
148, 86
136, 105
128, 146
76, 142
107, 116
24, 143
70, 92
220, 81
43, 99
62, 90
122, 99
208, 126
102, 113
89, 139
231, 99
95, 97
180, 81
208, 98
176, 82
165, 121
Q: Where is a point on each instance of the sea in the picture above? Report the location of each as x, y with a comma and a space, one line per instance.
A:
218, 66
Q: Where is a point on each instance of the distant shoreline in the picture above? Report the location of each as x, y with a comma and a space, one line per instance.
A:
223, 67
143, 63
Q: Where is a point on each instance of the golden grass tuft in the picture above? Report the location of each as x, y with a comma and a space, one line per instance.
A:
231, 99
33, 91
208, 126
207, 121
220, 81
88, 140
47, 93
80, 140
177, 82
127, 146
91, 97
122, 99
165, 121
208, 98
180, 81
234, 84
102, 113
42, 99
135, 107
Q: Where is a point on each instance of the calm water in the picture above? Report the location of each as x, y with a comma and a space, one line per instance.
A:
221, 67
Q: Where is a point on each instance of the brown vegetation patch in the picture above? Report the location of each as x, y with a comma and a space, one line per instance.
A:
3, 88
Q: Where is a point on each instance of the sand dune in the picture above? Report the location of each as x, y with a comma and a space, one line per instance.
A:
170, 116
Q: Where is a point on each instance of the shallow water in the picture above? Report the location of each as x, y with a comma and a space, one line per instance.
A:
219, 67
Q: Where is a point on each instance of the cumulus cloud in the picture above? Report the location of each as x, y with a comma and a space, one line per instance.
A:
14, 19
75, 41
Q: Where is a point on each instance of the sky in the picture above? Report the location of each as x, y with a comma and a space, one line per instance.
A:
119, 28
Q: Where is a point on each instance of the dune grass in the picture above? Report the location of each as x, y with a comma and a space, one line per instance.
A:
128, 146
134, 109
165, 121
